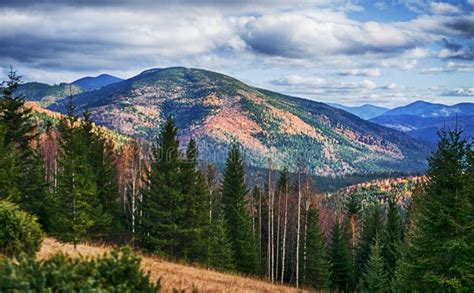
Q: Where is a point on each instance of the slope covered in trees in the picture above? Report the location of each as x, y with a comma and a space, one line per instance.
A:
217, 109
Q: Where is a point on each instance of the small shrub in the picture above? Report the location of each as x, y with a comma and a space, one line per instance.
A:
117, 272
20, 232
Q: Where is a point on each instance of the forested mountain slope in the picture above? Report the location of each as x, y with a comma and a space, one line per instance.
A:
217, 110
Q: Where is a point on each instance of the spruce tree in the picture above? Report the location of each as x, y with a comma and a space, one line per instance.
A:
238, 220
391, 238
375, 278
75, 205
340, 260
162, 206
19, 133
196, 201
221, 255
317, 267
9, 172
440, 242
372, 224
101, 159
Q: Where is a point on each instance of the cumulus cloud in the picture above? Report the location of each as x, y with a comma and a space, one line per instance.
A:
306, 35
309, 85
463, 92
449, 67
369, 72
444, 8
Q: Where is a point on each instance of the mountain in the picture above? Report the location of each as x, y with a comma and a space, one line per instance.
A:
426, 109
218, 110
47, 94
93, 83
366, 111
423, 120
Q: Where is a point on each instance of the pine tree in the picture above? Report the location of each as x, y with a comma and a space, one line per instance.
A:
440, 242
375, 278
162, 206
372, 224
391, 238
75, 205
221, 255
196, 200
9, 172
317, 267
19, 133
100, 156
340, 260
239, 223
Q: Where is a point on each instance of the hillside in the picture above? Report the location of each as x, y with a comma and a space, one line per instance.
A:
218, 110
173, 275
366, 111
46, 94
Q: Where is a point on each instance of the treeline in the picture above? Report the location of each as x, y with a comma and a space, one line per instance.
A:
83, 187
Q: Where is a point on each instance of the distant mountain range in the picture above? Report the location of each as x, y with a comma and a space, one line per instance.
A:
423, 120
95, 83
366, 111
218, 110
46, 94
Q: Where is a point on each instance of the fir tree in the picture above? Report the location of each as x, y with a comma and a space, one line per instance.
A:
391, 238
19, 133
75, 206
440, 242
340, 260
239, 222
162, 206
9, 172
101, 159
221, 255
317, 267
196, 200
372, 224
375, 278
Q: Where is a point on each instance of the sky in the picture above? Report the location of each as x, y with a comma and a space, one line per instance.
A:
388, 53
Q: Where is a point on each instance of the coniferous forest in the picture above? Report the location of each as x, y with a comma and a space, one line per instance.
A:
69, 179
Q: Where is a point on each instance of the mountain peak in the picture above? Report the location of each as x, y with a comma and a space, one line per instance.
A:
92, 83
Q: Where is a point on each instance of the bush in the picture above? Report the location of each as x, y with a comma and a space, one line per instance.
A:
20, 232
117, 272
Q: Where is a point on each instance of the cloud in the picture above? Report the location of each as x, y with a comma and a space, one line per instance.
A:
449, 67
369, 72
454, 50
310, 85
444, 8
463, 92
307, 35
470, 2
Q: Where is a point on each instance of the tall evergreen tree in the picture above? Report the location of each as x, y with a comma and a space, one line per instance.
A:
375, 278
234, 191
196, 201
221, 255
100, 155
391, 238
19, 133
372, 224
9, 172
75, 205
316, 273
440, 242
162, 206
340, 260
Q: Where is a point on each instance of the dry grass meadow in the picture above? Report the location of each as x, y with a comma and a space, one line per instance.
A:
173, 275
